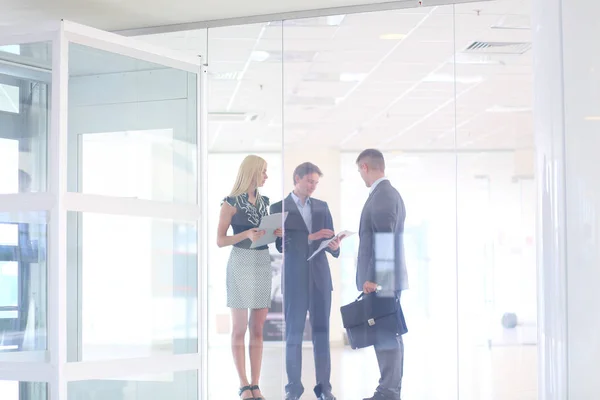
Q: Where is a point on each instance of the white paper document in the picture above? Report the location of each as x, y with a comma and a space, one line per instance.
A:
269, 223
325, 243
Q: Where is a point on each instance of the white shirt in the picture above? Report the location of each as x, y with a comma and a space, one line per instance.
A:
305, 210
377, 182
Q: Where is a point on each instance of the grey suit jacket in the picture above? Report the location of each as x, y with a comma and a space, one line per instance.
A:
297, 249
381, 250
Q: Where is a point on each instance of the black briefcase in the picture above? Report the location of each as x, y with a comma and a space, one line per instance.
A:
373, 318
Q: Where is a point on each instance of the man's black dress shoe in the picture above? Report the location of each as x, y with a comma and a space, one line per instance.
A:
324, 396
379, 396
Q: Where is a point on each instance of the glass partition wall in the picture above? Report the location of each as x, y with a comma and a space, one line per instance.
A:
100, 208
245, 117
445, 93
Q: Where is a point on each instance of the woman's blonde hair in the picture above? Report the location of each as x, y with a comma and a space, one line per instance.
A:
249, 175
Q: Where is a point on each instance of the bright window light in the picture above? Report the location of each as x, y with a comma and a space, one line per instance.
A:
9, 235
9, 98
11, 48
9, 166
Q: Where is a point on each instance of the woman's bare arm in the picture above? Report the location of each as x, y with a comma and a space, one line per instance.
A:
227, 213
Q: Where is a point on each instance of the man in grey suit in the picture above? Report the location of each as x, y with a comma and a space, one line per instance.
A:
381, 266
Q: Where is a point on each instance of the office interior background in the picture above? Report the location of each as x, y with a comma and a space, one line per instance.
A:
446, 91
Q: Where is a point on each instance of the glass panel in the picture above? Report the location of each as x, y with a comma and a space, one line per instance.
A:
24, 115
245, 117
381, 80
194, 41
13, 390
37, 55
178, 385
426, 183
133, 287
496, 193
23, 299
139, 115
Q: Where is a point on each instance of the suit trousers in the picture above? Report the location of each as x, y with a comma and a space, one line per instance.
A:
300, 298
390, 357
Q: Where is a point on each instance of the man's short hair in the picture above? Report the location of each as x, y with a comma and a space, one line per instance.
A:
373, 158
304, 169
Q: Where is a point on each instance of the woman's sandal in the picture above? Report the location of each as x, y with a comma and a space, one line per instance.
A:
245, 389
253, 388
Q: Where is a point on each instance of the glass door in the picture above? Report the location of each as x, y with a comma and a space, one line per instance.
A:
109, 185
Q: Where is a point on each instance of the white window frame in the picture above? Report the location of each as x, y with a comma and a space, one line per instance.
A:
51, 366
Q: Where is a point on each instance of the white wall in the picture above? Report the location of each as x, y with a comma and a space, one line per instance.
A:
567, 116
582, 194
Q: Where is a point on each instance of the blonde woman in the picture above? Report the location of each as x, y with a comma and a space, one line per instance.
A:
248, 270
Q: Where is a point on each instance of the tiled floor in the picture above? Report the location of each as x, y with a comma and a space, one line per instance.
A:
499, 373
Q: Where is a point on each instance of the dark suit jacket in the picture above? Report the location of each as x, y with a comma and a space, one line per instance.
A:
297, 249
381, 249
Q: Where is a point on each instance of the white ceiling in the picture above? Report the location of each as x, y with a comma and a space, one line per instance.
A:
383, 79
129, 14
352, 82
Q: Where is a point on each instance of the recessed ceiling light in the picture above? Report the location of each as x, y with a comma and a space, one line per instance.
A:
335, 20
350, 77
231, 117
477, 59
226, 76
593, 118
508, 109
449, 78
259, 56
392, 36
332, 20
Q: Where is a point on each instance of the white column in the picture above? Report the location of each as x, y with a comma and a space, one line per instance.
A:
57, 229
567, 113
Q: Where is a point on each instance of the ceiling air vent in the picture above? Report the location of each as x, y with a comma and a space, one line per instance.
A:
498, 47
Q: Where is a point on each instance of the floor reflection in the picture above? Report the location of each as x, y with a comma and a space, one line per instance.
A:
500, 373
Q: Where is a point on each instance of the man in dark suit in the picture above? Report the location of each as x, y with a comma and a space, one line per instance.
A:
381, 266
307, 285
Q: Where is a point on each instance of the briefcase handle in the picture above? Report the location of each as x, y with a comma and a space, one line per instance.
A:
363, 293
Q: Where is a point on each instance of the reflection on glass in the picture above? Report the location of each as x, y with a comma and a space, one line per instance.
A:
178, 385
132, 128
245, 117
411, 83
28, 54
23, 280
193, 41
426, 183
24, 114
133, 287
495, 165
12, 390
